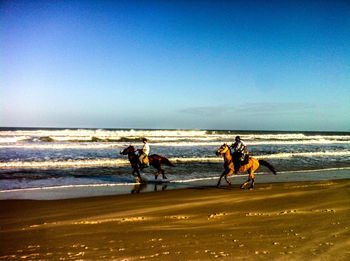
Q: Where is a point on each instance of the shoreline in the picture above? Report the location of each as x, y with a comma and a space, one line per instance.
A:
278, 221
110, 189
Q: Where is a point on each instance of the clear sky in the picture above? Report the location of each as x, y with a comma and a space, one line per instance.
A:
253, 65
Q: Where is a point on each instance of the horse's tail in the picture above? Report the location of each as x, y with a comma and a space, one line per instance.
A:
167, 162
268, 165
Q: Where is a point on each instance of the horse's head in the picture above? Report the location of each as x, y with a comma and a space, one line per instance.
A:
128, 150
222, 150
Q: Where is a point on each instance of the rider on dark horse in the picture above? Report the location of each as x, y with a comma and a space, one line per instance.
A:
143, 154
239, 153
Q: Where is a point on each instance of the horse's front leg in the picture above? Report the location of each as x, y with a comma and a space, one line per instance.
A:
229, 174
222, 175
138, 176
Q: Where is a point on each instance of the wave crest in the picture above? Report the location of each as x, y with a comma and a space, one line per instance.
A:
122, 161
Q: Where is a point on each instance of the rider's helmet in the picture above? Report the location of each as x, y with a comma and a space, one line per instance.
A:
238, 138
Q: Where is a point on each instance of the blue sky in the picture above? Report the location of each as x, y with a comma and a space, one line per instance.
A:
253, 65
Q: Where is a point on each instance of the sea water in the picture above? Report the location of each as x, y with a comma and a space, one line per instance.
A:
48, 159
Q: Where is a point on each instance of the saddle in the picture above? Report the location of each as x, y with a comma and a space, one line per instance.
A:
145, 160
245, 158
240, 161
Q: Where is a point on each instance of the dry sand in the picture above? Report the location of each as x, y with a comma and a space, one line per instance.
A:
280, 221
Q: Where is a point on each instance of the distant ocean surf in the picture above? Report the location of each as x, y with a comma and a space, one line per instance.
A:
43, 158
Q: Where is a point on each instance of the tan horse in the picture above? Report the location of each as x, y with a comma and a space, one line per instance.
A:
252, 165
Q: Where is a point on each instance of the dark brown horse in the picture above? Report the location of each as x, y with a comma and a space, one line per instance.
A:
155, 161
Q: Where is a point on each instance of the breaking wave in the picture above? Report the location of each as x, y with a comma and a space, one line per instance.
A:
100, 135
124, 161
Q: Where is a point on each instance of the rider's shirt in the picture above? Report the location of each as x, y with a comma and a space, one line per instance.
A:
146, 148
238, 146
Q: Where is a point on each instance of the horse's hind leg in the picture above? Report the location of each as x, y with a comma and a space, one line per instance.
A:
248, 180
156, 175
245, 184
163, 172
252, 178
160, 170
253, 183
156, 165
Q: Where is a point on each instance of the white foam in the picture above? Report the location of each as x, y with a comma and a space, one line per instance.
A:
124, 161
64, 164
306, 154
49, 185
63, 146
314, 170
167, 136
111, 145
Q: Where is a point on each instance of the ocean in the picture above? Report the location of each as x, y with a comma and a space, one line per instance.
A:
51, 163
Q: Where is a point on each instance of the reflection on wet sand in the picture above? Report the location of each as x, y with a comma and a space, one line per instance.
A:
142, 187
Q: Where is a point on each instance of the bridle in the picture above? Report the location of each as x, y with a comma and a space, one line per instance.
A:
127, 150
223, 149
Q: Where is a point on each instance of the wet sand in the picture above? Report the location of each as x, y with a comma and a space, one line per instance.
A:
279, 221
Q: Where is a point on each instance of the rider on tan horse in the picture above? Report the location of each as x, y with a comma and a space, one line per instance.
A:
239, 153
252, 165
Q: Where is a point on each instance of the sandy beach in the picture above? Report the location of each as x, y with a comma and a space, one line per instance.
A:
279, 221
